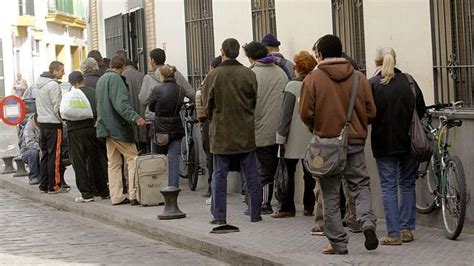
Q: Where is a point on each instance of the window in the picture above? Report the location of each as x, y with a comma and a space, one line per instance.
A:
263, 18
199, 39
453, 66
113, 35
26, 7
2, 77
348, 25
65, 6
36, 47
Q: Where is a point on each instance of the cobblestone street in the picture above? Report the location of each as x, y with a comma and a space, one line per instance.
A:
33, 233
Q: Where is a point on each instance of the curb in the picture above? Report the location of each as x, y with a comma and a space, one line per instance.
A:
210, 247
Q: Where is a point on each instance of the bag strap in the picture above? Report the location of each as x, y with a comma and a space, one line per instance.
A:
355, 91
412, 85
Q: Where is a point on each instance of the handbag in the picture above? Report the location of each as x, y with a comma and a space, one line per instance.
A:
327, 156
281, 179
421, 139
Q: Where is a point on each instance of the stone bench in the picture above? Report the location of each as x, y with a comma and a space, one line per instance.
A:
20, 167
8, 161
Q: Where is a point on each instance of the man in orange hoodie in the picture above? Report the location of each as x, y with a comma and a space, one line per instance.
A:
324, 100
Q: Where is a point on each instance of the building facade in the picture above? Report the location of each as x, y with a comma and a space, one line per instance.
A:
433, 40
36, 32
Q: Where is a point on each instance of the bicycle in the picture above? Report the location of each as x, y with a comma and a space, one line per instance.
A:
189, 167
441, 182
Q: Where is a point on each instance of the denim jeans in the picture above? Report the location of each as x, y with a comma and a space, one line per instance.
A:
219, 184
398, 177
31, 158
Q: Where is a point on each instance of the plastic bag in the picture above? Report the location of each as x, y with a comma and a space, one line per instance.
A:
75, 106
281, 181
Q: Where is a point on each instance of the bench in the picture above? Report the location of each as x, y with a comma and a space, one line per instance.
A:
20, 167
8, 162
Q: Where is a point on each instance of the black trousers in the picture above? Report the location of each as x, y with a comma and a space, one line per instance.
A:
309, 199
267, 162
51, 169
85, 155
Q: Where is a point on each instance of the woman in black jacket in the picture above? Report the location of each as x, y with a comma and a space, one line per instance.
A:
167, 100
395, 103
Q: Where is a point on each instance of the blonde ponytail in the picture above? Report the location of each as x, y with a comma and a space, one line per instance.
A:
388, 65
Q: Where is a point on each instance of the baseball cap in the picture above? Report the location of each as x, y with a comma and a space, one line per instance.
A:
270, 40
75, 77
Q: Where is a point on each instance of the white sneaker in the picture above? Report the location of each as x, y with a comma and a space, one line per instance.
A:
83, 200
208, 201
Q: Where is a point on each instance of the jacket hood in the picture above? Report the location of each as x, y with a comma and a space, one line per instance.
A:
44, 79
338, 69
267, 59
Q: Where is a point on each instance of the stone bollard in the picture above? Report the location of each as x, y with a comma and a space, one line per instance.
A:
20, 167
8, 161
171, 210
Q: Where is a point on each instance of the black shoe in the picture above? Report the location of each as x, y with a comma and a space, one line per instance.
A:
105, 197
43, 191
256, 219
64, 185
267, 209
125, 201
218, 222
134, 202
371, 240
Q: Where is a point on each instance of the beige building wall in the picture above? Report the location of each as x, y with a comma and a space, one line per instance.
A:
405, 26
232, 19
150, 23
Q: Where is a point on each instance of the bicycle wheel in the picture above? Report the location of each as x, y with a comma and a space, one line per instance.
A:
193, 165
426, 188
454, 201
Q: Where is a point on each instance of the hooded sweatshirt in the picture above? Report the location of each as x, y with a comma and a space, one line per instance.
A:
48, 100
325, 97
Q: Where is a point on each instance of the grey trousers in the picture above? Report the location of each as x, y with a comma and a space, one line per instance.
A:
358, 184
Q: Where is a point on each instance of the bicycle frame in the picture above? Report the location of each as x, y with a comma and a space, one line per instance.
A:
188, 129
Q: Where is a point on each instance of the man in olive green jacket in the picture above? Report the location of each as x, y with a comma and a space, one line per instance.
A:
116, 120
229, 99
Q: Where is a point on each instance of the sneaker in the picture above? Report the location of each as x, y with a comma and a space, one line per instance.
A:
390, 240
43, 191
406, 235
208, 201
282, 214
371, 241
53, 192
64, 189
267, 209
33, 181
83, 200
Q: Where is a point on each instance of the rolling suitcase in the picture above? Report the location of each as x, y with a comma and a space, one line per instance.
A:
152, 176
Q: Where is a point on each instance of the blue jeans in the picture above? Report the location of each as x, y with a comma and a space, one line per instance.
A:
174, 153
31, 158
398, 177
248, 165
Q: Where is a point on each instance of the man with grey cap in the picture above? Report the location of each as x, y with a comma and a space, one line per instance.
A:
273, 47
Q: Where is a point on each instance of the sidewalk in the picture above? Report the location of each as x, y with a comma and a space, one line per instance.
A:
272, 241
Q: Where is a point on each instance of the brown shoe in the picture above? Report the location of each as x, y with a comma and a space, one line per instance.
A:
406, 235
390, 241
280, 214
329, 250
317, 231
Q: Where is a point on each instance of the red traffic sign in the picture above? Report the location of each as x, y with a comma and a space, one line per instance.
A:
12, 110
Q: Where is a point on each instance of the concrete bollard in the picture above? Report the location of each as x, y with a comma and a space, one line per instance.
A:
171, 210
20, 167
8, 161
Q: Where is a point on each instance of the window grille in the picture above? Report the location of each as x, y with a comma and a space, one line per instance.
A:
199, 39
113, 35
453, 66
263, 18
348, 25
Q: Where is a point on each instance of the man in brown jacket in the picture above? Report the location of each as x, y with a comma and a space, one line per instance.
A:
324, 101
229, 97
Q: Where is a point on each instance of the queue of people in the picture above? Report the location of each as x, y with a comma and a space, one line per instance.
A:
251, 117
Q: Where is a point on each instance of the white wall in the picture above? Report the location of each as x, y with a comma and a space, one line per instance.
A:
299, 25
405, 26
107, 9
232, 19
8, 17
171, 32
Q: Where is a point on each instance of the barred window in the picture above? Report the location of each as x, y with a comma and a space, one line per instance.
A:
348, 25
263, 18
113, 35
199, 39
453, 66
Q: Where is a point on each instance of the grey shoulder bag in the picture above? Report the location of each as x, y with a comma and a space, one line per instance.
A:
327, 156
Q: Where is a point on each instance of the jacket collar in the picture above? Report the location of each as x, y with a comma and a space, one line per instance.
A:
230, 62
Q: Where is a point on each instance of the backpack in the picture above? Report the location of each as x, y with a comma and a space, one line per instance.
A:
421, 139
327, 156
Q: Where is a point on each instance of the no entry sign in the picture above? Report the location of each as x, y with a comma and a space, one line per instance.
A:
12, 110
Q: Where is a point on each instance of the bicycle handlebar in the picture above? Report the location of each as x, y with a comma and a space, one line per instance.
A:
439, 106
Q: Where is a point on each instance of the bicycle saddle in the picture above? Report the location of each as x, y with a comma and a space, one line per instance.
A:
454, 122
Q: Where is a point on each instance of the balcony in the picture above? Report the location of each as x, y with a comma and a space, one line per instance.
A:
67, 12
25, 21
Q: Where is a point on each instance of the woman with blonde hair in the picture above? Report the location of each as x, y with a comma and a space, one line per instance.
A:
166, 101
395, 101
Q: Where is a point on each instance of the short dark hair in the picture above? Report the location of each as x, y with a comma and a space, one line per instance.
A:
255, 50
158, 55
329, 46
231, 48
96, 55
55, 65
117, 61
